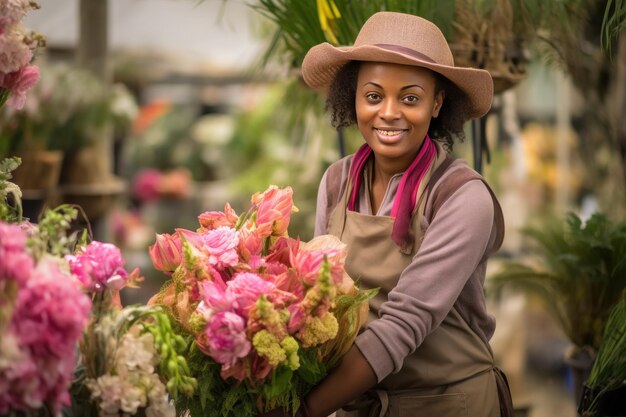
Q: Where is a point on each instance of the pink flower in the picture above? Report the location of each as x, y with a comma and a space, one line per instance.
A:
250, 248
214, 299
18, 83
226, 337
218, 245
166, 253
14, 54
245, 289
274, 210
50, 316
146, 185
13, 11
213, 219
15, 263
296, 318
99, 266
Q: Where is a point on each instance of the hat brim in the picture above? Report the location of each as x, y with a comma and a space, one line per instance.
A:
323, 61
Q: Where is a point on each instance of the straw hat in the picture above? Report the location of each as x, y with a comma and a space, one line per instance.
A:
400, 39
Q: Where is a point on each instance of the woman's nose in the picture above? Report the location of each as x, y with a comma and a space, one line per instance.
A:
389, 110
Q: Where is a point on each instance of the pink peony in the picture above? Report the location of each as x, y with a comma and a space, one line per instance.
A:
18, 83
166, 253
50, 316
226, 338
99, 266
245, 289
146, 185
214, 219
274, 207
218, 245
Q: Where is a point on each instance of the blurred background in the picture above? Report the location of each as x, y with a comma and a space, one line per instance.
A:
150, 112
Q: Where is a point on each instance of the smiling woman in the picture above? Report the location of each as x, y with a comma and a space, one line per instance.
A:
418, 224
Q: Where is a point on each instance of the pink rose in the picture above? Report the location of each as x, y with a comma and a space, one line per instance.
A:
166, 253
226, 337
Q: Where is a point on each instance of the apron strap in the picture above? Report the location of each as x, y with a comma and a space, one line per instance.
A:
504, 394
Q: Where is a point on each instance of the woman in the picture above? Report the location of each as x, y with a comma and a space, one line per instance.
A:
418, 225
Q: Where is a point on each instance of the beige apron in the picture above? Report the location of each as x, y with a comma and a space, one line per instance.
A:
451, 372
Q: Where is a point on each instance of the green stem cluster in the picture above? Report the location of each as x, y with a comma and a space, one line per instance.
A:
173, 366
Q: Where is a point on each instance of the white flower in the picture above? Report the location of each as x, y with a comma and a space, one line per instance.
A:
136, 353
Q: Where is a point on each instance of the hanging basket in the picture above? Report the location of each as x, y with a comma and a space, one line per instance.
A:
489, 42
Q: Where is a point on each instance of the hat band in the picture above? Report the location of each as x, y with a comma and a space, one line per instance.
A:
406, 51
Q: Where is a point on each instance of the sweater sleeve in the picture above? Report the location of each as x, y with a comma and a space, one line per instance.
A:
453, 246
320, 210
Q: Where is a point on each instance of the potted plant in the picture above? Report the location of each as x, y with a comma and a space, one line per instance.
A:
605, 390
64, 113
579, 270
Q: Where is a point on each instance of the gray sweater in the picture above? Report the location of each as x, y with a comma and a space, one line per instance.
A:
448, 270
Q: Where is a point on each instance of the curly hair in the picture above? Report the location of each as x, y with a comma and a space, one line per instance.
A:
445, 128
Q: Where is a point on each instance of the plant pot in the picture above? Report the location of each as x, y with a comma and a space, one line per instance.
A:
580, 360
95, 199
39, 170
610, 404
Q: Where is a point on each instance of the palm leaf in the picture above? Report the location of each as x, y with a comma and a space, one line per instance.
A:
578, 269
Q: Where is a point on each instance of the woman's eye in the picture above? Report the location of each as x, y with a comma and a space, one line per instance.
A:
373, 96
411, 99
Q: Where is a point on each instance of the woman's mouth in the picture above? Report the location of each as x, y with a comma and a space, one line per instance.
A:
389, 136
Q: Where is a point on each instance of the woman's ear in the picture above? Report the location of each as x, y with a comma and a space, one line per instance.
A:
439, 97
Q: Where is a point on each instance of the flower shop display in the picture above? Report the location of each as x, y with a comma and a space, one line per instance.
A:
268, 315
66, 344
17, 75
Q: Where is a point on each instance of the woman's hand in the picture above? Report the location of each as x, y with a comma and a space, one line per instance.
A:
351, 378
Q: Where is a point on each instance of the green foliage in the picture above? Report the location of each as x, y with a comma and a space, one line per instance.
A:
54, 233
579, 270
299, 29
609, 368
613, 22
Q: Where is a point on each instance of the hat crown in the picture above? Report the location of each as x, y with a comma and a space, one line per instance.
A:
406, 31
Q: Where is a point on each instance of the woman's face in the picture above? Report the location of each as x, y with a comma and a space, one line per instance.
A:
394, 105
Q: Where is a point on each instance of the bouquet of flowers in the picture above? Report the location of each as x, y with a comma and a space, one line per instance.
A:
268, 315
58, 293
